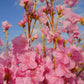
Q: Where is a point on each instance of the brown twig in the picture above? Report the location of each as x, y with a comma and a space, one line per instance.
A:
57, 23
82, 47
34, 6
49, 20
25, 32
33, 27
6, 42
41, 32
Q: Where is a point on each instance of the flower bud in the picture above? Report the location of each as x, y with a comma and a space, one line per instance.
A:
82, 20
32, 38
35, 36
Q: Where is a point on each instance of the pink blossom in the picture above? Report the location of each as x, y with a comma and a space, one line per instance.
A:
42, 1
2, 74
76, 53
70, 39
71, 3
80, 81
43, 19
35, 36
76, 34
21, 23
25, 18
27, 61
37, 75
71, 27
60, 7
1, 42
19, 44
6, 25
23, 80
61, 56
45, 31
74, 18
28, 2
54, 79
23, 1
43, 8
39, 47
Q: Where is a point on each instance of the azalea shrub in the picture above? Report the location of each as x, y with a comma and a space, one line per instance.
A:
62, 64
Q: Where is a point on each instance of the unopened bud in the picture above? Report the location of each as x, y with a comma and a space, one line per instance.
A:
82, 20
59, 12
32, 38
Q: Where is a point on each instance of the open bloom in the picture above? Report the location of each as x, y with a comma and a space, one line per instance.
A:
6, 25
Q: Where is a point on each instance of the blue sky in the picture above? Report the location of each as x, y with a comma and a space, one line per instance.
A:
12, 12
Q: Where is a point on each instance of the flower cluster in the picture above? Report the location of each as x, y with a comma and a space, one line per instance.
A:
62, 64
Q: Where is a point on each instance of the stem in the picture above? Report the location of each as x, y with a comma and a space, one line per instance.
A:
49, 20
82, 47
29, 26
47, 2
6, 42
57, 23
28, 15
52, 15
54, 43
33, 27
34, 6
44, 41
54, 59
41, 32
25, 32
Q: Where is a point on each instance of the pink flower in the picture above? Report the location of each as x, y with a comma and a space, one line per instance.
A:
6, 25
76, 53
1, 42
22, 23
71, 27
39, 47
2, 74
43, 8
43, 19
71, 3
60, 7
35, 36
76, 34
25, 18
28, 2
70, 39
42, 1
27, 60
37, 75
23, 1
80, 81
74, 18
23, 80
19, 44
54, 79
45, 31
